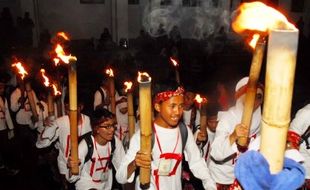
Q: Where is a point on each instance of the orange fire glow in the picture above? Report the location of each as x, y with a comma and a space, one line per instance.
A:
174, 62
109, 72
56, 61
128, 86
56, 91
259, 18
143, 77
63, 35
61, 54
46, 80
21, 69
200, 99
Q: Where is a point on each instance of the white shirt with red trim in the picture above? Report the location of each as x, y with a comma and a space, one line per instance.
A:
168, 142
5, 116
95, 173
300, 124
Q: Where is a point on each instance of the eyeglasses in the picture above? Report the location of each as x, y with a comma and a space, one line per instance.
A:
259, 96
108, 126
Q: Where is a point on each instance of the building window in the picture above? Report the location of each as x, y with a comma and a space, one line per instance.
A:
191, 3
133, 2
165, 2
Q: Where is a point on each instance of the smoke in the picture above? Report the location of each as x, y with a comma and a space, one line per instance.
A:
202, 21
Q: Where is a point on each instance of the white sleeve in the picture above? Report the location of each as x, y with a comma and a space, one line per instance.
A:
134, 147
8, 118
97, 99
221, 147
16, 94
118, 154
48, 135
301, 121
197, 164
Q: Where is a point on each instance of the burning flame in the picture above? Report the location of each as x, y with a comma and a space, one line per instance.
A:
46, 80
61, 54
199, 99
21, 69
109, 72
144, 77
174, 62
258, 17
128, 86
56, 61
63, 35
56, 91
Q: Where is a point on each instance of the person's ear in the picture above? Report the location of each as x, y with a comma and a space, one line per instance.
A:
157, 107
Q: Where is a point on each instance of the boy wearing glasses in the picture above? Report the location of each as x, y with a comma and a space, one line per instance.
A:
224, 150
167, 148
96, 172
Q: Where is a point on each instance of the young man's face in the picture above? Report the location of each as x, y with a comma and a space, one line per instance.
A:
170, 111
106, 129
212, 123
189, 98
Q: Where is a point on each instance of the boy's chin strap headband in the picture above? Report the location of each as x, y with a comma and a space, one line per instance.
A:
163, 96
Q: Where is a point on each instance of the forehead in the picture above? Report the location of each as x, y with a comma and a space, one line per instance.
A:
175, 100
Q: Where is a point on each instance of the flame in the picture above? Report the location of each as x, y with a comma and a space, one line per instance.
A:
254, 40
144, 77
63, 35
109, 72
56, 91
200, 99
21, 69
128, 86
46, 80
258, 17
174, 62
61, 54
56, 61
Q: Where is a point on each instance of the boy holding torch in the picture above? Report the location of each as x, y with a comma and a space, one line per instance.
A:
167, 147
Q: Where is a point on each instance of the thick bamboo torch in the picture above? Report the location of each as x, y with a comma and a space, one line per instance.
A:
110, 74
145, 107
281, 61
280, 72
73, 115
131, 116
202, 102
177, 73
251, 90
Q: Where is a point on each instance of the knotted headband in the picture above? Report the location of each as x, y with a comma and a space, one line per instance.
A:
164, 96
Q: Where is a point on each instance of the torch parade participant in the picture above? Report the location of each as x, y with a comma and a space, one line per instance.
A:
168, 146
224, 150
191, 115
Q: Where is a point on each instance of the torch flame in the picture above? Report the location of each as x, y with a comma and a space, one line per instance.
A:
21, 69
109, 72
46, 80
256, 16
174, 62
56, 91
200, 99
63, 35
254, 40
61, 54
144, 77
56, 61
128, 86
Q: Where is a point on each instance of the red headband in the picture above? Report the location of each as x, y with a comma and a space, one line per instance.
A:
163, 96
294, 139
241, 91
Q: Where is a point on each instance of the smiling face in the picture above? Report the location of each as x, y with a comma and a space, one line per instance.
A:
169, 112
105, 131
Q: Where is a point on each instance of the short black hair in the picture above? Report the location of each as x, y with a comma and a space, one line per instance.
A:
212, 109
99, 115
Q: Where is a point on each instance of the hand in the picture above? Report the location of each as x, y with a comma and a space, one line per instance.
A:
40, 106
48, 121
240, 131
209, 184
71, 163
143, 160
202, 136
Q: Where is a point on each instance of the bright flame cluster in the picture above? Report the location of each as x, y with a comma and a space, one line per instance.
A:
174, 62
143, 77
61, 55
21, 69
48, 84
109, 72
128, 86
200, 99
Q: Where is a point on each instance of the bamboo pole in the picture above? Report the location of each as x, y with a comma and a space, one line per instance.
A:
112, 94
31, 100
145, 107
203, 116
50, 104
280, 72
72, 75
177, 75
131, 116
251, 90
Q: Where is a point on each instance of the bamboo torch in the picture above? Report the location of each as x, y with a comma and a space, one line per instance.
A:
177, 73
131, 116
145, 107
281, 61
72, 76
109, 72
202, 102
